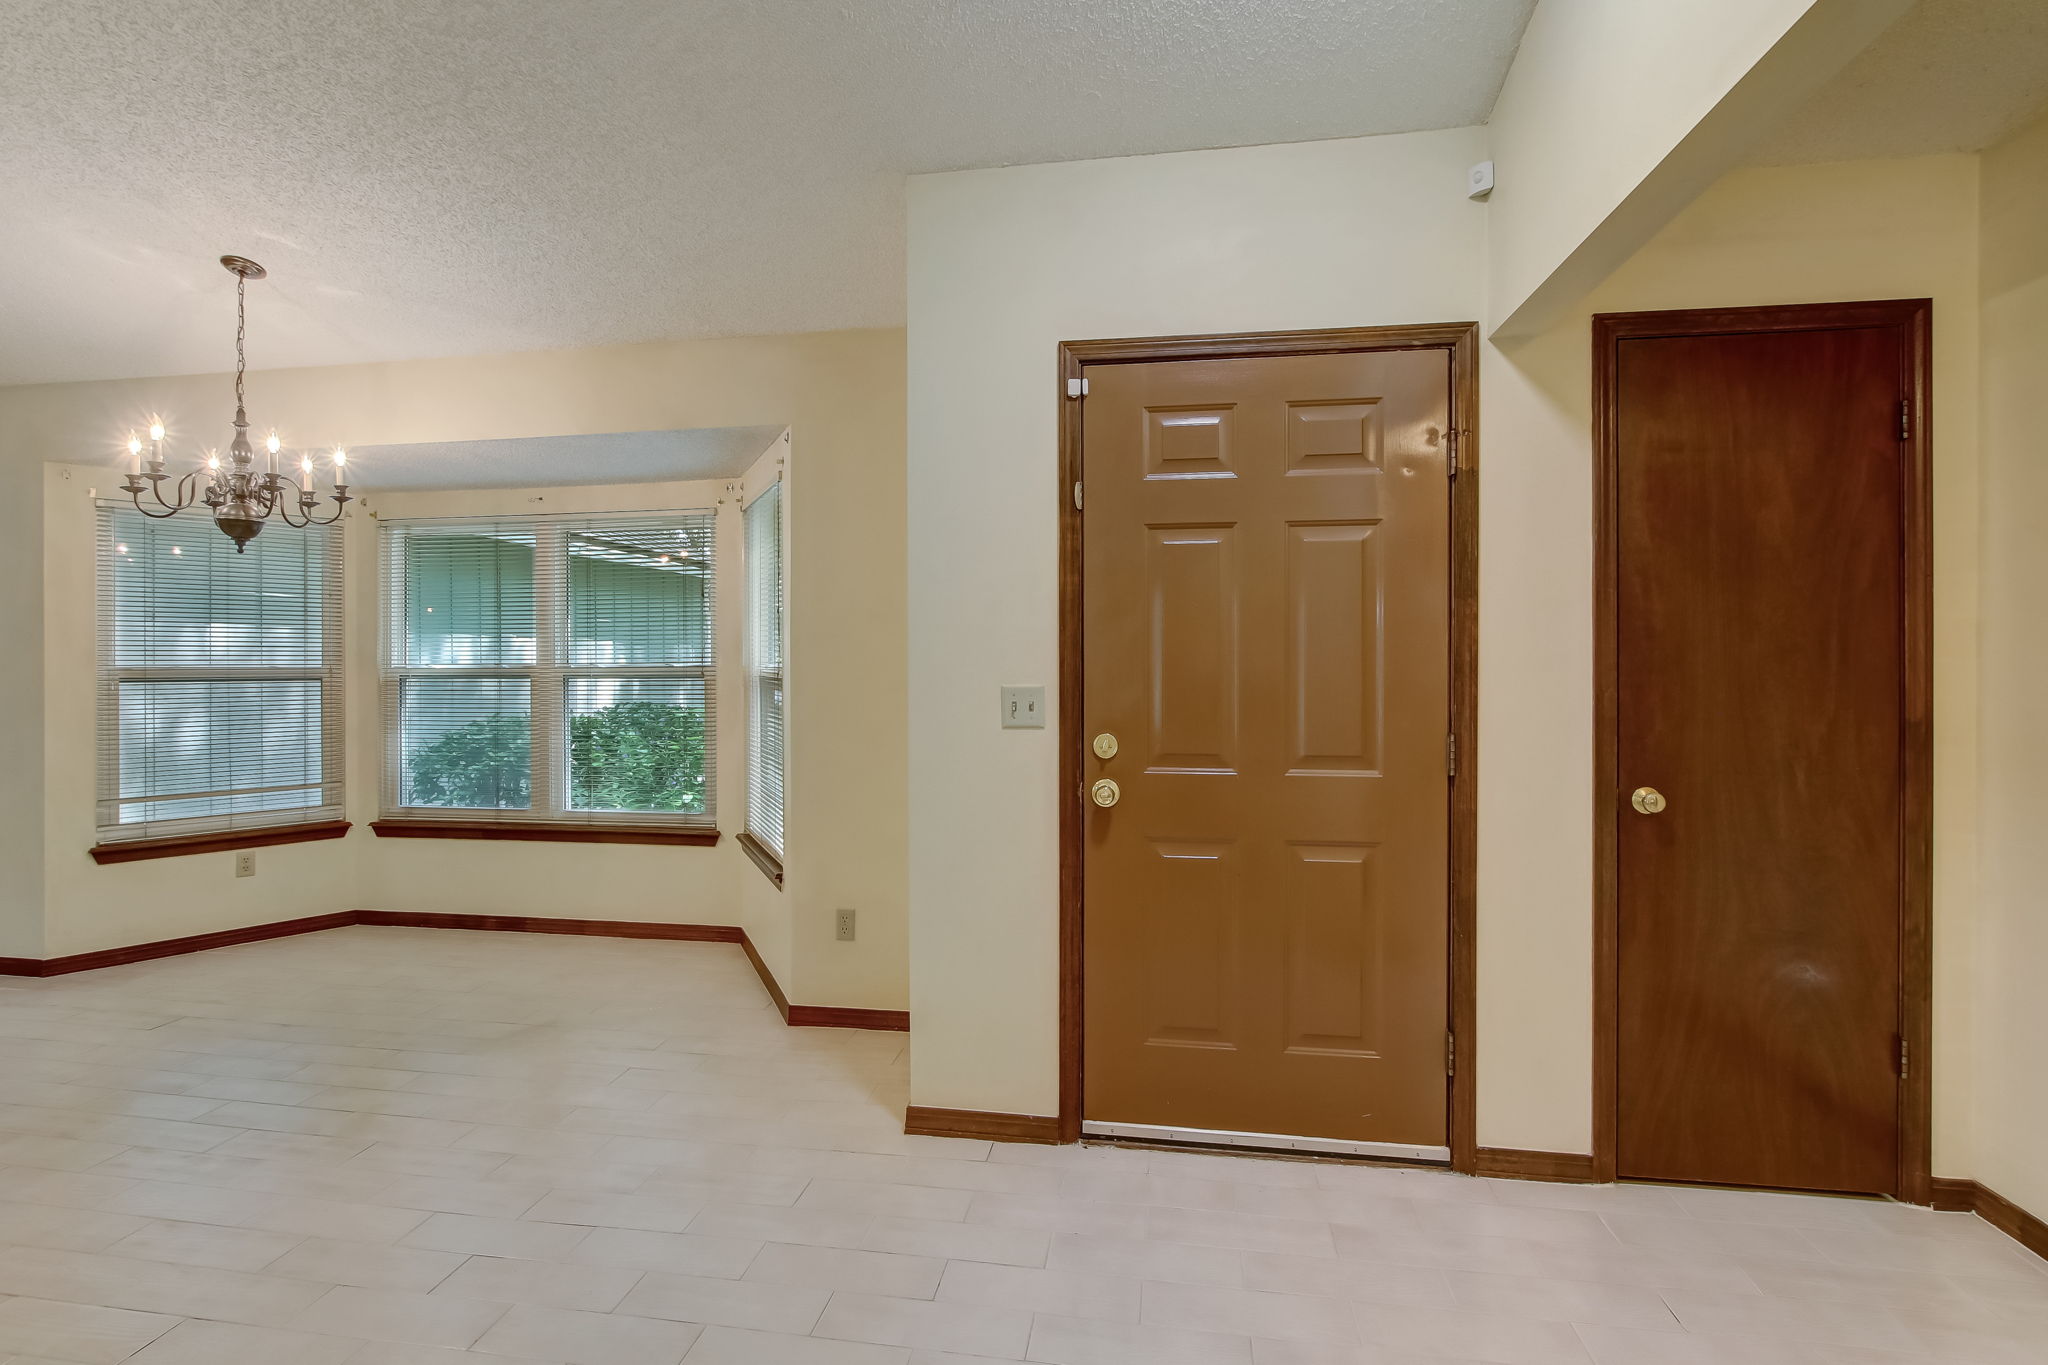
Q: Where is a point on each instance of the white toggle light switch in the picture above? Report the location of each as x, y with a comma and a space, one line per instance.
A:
1024, 708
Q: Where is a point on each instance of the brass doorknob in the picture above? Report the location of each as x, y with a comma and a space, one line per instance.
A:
1105, 792
1647, 800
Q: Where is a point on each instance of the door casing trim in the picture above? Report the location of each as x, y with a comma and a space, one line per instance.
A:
1916, 749
1461, 341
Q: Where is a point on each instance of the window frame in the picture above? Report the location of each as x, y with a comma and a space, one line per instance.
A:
767, 849
325, 819
550, 814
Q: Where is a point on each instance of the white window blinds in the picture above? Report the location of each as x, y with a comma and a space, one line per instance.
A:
219, 677
555, 669
763, 527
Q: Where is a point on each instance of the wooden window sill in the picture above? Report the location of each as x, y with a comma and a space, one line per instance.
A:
178, 846
764, 858
691, 835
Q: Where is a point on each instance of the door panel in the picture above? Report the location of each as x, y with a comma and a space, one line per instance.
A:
1760, 653
1267, 633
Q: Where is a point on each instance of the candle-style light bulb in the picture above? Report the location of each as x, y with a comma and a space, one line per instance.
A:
135, 451
273, 443
156, 430
306, 465
213, 460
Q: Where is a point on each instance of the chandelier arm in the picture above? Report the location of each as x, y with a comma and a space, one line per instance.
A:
156, 490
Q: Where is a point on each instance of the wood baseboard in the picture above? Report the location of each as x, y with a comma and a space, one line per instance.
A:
1968, 1196
1511, 1163
171, 947
796, 1016
846, 1016
922, 1121
540, 924
768, 981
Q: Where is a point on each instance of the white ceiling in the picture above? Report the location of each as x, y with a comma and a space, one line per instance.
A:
550, 461
1950, 76
440, 177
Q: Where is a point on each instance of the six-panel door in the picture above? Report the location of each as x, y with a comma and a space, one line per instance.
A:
1267, 635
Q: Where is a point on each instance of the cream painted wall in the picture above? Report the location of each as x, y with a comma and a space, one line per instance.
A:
1004, 264
841, 395
1615, 114
2012, 957
764, 909
1861, 230
21, 706
571, 881
88, 906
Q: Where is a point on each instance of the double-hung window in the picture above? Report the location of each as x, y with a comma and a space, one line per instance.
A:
551, 671
765, 709
219, 679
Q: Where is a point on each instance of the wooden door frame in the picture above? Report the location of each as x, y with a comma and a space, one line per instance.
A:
1461, 341
1916, 751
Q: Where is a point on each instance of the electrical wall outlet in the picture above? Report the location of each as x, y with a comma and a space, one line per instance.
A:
842, 928
245, 864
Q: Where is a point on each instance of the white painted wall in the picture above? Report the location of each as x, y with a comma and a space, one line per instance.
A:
2012, 957
1617, 113
1005, 264
841, 395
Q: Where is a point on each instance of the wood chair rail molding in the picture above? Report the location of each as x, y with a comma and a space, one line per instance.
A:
183, 845
539, 831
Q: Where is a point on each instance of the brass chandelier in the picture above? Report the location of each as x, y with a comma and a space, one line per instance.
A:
240, 498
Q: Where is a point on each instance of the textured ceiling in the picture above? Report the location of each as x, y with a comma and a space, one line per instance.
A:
550, 461
1951, 76
441, 177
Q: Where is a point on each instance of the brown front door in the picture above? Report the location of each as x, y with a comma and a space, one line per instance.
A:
1759, 503
1266, 612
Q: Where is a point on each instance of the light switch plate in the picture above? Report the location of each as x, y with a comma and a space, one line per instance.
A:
1023, 708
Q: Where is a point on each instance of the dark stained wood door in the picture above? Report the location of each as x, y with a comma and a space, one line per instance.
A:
1760, 519
1266, 631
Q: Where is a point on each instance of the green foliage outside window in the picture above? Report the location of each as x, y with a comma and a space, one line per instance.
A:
634, 755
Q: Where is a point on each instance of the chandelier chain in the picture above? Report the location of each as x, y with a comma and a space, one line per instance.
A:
241, 286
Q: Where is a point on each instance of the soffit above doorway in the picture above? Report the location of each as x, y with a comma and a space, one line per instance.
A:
1951, 76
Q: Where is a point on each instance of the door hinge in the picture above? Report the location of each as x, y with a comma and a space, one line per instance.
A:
1905, 1067
1451, 451
1450, 1054
1077, 388
1450, 755
1077, 495
1905, 419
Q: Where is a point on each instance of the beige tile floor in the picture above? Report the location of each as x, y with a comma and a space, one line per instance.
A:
410, 1147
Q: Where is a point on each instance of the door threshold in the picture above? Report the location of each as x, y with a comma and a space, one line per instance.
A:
1273, 1142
